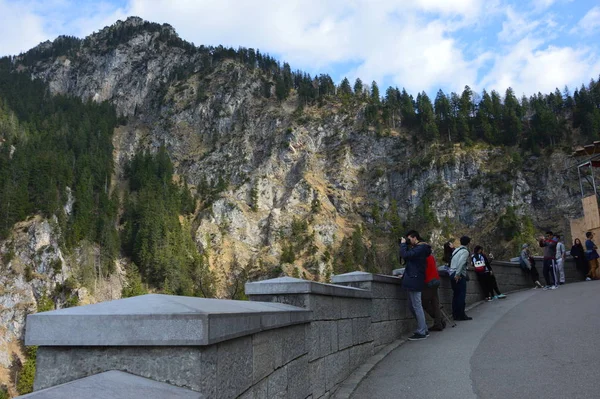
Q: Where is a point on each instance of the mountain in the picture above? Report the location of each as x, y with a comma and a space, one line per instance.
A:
151, 163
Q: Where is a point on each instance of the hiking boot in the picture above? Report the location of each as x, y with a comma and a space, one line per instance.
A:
417, 337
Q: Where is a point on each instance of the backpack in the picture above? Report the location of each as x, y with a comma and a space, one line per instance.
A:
479, 264
523, 264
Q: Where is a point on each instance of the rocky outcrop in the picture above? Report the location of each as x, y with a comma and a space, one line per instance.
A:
34, 270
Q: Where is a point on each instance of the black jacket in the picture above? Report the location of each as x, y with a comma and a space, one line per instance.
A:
416, 263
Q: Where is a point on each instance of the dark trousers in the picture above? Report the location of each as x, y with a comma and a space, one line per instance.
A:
485, 281
494, 284
431, 304
459, 296
548, 271
535, 276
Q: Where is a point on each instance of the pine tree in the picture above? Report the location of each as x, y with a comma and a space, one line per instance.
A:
358, 87
345, 89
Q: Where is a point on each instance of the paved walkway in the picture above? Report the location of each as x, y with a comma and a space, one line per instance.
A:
533, 344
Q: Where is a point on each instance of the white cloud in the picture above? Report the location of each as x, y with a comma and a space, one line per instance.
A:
20, 28
529, 68
516, 25
590, 23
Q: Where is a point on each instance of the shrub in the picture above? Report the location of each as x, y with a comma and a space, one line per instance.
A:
27, 372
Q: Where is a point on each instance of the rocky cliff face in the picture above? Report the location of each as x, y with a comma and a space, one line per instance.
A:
278, 159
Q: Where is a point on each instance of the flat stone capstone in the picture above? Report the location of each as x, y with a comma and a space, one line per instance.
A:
115, 385
159, 320
290, 285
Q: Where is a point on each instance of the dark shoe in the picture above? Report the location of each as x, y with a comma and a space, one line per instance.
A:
464, 318
417, 337
436, 328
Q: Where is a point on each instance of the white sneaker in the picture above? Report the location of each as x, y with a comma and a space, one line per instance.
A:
554, 287
588, 279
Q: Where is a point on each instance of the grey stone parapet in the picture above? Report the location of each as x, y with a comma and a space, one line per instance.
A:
115, 385
290, 285
355, 277
159, 320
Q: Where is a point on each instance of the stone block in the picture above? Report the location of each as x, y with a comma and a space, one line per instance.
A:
396, 309
380, 310
331, 330
361, 330
191, 367
362, 308
322, 339
116, 385
359, 354
234, 358
294, 342
324, 308
345, 333
337, 368
277, 384
344, 307
318, 377
267, 353
298, 378
261, 390
383, 332
383, 290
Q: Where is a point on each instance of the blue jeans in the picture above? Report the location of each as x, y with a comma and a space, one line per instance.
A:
459, 296
416, 308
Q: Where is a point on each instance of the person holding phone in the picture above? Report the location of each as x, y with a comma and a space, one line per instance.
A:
415, 252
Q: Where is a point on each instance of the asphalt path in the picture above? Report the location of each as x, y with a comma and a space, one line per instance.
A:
533, 344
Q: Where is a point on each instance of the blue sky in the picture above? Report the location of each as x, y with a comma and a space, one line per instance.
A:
531, 46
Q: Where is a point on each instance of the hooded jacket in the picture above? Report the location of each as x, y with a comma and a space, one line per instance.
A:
414, 271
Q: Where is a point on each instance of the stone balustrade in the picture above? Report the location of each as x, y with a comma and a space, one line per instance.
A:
293, 339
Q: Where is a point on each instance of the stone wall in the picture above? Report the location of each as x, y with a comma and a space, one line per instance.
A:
390, 315
340, 337
293, 339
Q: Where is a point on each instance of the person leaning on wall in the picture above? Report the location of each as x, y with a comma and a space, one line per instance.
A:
430, 297
591, 254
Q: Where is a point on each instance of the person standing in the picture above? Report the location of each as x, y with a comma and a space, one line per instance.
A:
429, 296
458, 279
529, 263
448, 249
549, 245
561, 253
413, 280
581, 263
485, 274
591, 255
